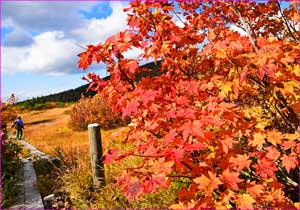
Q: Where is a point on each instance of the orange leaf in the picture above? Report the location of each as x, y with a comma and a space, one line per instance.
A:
240, 161
274, 137
273, 153
231, 179
255, 190
208, 184
227, 144
289, 161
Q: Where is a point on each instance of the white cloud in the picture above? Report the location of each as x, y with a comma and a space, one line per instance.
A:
53, 51
18, 37
134, 53
239, 30
44, 15
97, 30
49, 53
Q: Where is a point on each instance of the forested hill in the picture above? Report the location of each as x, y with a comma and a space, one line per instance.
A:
73, 95
67, 96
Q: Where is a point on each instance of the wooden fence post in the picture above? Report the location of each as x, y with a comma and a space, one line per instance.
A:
94, 134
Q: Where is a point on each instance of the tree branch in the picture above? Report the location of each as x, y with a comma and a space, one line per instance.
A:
286, 22
237, 12
179, 176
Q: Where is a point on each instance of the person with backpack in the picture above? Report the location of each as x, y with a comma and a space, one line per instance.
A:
19, 126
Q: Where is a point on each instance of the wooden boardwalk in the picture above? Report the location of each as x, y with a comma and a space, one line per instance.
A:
29, 196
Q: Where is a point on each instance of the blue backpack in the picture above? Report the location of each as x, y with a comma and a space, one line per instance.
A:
20, 123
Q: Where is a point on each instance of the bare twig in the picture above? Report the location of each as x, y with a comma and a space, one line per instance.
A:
80, 46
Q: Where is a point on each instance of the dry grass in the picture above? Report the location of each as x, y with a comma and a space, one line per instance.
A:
48, 130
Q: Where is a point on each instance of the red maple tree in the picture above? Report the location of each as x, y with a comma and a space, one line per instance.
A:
220, 113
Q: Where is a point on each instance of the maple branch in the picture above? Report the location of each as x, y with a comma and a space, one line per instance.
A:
286, 120
147, 156
237, 12
144, 18
80, 46
187, 74
155, 28
127, 136
158, 135
258, 82
286, 22
292, 116
179, 18
180, 176
137, 167
131, 82
186, 165
288, 179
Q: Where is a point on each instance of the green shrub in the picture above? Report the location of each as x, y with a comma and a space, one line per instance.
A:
59, 104
38, 105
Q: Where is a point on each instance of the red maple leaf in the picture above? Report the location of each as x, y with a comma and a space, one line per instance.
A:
170, 136
110, 156
266, 168
152, 183
132, 66
193, 147
132, 107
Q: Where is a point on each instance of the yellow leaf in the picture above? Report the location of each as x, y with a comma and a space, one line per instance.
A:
290, 86
269, 180
226, 88
177, 206
110, 47
292, 136
221, 53
275, 137
212, 154
245, 201
181, 205
296, 70
258, 140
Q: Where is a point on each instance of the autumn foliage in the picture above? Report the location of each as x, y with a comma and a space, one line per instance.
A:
221, 116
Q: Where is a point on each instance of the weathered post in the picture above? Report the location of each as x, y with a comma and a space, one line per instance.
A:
96, 154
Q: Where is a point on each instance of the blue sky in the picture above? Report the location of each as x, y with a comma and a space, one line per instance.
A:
39, 43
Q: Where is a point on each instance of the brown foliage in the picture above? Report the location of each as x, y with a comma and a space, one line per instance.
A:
9, 114
94, 110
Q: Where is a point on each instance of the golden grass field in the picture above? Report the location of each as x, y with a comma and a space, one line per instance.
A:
49, 131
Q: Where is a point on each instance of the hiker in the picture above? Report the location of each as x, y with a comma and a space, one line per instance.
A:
19, 126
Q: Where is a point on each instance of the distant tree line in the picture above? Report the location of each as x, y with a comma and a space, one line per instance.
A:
73, 95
